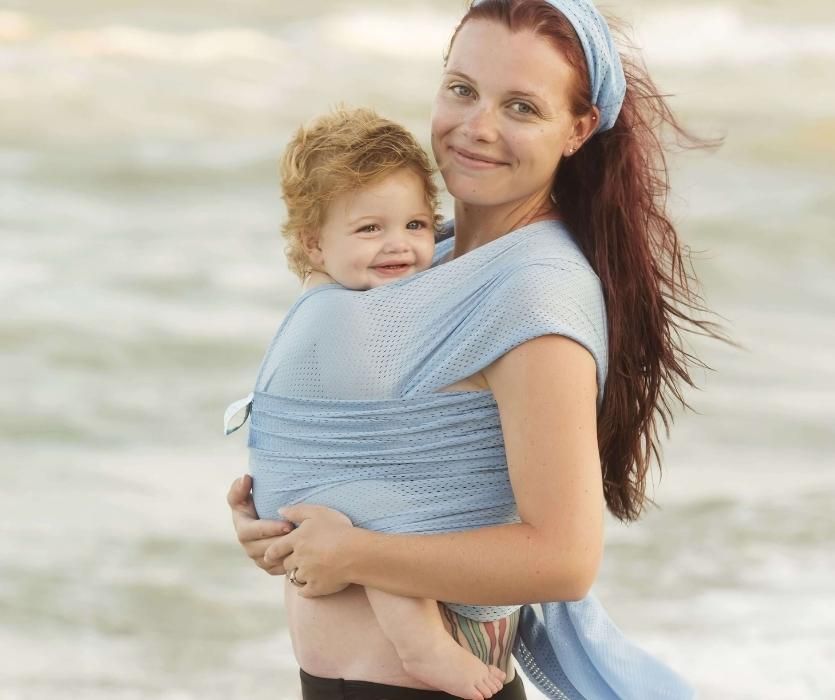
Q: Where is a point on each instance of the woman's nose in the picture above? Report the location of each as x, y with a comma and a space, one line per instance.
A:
480, 124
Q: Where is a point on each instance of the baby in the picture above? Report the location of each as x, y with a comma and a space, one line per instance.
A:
361, 207
360, 202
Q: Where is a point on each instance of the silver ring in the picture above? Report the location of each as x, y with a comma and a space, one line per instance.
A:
294, 580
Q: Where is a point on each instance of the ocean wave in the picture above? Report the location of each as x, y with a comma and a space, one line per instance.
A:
717, 34
408, 34
15, 26
198, 47
678, 36
683, 36
16, 275
135, 42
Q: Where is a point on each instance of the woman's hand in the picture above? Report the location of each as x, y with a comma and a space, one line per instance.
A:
255, 535
313, 549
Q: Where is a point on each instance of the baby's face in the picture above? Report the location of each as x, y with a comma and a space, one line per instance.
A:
377, 234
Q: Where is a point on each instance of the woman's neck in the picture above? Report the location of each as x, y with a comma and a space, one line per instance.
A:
476, 225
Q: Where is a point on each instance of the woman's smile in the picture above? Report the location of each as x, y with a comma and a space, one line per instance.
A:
474, 160
501, 117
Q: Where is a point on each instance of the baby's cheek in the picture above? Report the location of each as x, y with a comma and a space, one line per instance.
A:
360, 272
428, 255
359, 267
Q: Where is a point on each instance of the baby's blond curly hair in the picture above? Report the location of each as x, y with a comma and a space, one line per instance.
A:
339, 152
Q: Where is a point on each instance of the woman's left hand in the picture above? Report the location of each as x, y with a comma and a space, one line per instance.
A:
313, 549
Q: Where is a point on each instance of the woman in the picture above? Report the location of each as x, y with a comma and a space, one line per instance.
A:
535, 124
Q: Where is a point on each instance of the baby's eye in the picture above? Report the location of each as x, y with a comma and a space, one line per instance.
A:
416, 225
369, 228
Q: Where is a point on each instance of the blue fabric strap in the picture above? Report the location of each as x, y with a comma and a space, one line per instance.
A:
349, 412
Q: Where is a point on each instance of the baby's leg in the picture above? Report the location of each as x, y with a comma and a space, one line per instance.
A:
428, 652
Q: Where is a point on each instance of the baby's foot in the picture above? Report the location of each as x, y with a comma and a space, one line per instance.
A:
445, 665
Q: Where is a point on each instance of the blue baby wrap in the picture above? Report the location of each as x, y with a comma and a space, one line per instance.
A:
348, 413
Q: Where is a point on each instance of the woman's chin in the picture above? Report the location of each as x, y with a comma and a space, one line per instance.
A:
477, 191
473, 194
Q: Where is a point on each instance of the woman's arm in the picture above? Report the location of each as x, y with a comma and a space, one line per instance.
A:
546, 392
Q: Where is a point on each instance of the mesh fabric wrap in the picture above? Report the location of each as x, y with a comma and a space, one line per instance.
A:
347, 413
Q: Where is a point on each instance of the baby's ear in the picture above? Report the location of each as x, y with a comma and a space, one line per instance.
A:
310, 242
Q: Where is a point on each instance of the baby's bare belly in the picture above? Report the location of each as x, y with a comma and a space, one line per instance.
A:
337, 636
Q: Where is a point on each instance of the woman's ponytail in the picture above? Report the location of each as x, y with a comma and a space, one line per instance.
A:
613, 195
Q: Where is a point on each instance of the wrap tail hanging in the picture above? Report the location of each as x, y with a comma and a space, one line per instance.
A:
233, 409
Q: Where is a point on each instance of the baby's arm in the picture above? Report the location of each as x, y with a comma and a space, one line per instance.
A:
428, 652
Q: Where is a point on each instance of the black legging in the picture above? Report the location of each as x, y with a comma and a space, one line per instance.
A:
316, 688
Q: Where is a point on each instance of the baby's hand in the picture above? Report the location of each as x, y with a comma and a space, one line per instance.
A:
254, 535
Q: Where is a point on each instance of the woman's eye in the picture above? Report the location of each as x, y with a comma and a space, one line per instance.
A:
461, 90
523, 108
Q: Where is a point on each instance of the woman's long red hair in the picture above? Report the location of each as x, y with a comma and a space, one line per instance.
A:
612, 195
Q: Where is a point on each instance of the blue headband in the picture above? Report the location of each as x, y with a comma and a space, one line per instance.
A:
606, 77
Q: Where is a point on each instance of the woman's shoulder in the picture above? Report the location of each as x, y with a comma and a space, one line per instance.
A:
547, 276
544, 262
546, 243
550, 243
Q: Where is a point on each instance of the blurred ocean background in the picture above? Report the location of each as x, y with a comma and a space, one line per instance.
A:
141, 276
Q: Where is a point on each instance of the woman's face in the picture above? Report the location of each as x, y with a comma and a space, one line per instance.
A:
502, 120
